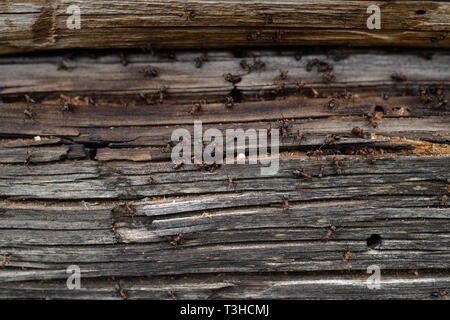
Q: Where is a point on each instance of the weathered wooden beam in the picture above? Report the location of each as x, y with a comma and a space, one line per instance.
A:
103, 77
42, 25
403, 285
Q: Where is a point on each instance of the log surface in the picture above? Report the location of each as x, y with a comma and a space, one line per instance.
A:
42, 25
75, 187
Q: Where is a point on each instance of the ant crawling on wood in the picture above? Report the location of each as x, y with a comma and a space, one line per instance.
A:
123, 59
178, 165
439, 293
172, 295
253, 36
337, 167
371, 119
321, 172
197, 108
286, 203
301, 174
28, 158
358, 132
233, 78
129, 209
179, 239
150, 72
311, 64
29, 113
332, 104
330, 232
5, 259
121, 292
66, 103
199, 61
398, 77
229, 102
346, 256
162, 93
186, 14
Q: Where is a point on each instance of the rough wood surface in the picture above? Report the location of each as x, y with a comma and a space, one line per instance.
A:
42, 25
67, 203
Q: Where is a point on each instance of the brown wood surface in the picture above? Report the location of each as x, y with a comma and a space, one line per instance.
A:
42, 25
59, 207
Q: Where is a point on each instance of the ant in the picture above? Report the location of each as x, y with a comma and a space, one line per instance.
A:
229, 102
150, 72
330, 231
441, 37
311, 64
178, 165
188, 15
196, 109
315, 92
371, 119
321, 172
172, 295
233, 78
358, 132
199, 61
337, 166
398, 77
162, 93
439, 293
129, 209
123, 59
324, 67
302, 174
168, 147
5, 260
116, 234
331, 139
300, 85
121, 292
29, 113
316, 153
286, 203
253, 36
66, 103
230, 183
280, 89
346, 256
28, 158
332, 104
29, 100
150, 180
179, 239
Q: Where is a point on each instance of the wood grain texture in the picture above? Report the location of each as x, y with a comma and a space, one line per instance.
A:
85, 198
42, 25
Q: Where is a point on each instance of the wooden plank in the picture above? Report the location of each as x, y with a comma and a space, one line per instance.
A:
400, 286
38, 25
105, 78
